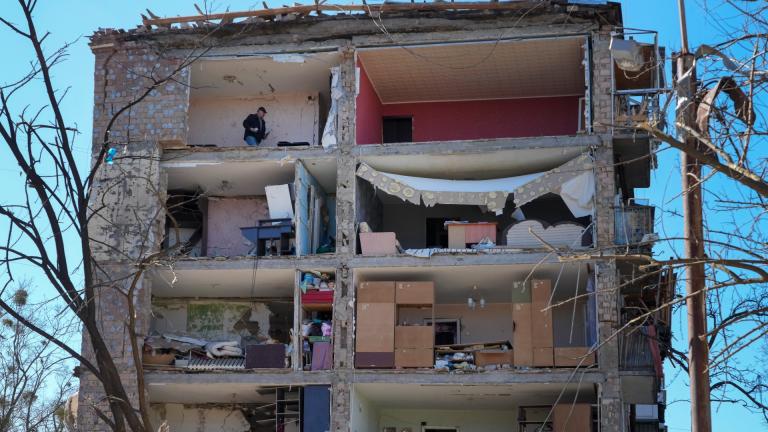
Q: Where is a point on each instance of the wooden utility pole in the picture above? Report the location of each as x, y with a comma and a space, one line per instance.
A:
698, 348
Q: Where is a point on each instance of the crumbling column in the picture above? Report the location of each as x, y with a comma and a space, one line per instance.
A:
341, 401
346, 246
601, 82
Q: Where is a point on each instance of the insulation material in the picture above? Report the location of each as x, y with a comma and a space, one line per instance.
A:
738, 97
279, 201
577, 194
627, 54
564, 234
222, 349
329, 139
574, 181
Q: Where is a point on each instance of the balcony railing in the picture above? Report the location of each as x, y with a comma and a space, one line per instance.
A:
633, 107
635, 350
634, 224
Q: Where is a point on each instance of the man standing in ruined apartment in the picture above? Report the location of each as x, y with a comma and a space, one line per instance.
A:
255, 127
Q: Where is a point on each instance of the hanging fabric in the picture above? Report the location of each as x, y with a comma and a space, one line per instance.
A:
574, 181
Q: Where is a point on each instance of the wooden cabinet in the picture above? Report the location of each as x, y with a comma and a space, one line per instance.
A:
532, 336
376, 292
414, 357
415, 336
462, 234
379, 342
522, 343
542, 332
375, 327
572, 418
572, 357
415, 293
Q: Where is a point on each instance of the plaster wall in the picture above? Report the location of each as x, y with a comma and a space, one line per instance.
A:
494, 322
217, 321
465, 421
364, 415
467, 120
292, 117
225, 217
183, 418
368, 111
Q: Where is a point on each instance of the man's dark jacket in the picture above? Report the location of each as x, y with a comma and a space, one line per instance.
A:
254, 121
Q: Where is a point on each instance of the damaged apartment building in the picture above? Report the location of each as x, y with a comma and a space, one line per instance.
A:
427, 238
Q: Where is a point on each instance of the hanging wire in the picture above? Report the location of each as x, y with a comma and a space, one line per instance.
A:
554, 289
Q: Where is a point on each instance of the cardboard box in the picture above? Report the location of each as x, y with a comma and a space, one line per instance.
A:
378, 243
375, 327
543, 357
414, 337
572, 356
376, 292
414, 357
375, 360
521, 336
495, 357
417, 293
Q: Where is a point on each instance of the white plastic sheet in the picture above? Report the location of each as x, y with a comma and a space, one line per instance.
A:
329, 139
577, 194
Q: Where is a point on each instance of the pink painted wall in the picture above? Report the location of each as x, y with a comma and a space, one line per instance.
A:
368, 108
465, 120
225, 217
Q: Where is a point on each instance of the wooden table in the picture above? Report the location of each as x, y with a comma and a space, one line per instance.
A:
461, 234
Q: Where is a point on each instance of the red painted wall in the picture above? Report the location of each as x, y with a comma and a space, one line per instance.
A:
464, 120
368, 112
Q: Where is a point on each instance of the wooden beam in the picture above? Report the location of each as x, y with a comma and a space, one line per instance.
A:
306, 9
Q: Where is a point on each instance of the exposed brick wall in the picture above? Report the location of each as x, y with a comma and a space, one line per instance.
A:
601, 82
124, 72
127, 198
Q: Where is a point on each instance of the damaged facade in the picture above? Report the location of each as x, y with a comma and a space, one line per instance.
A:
417, 243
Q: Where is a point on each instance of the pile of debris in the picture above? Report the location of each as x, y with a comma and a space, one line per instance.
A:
474, 356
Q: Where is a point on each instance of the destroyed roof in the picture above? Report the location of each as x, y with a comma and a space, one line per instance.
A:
601, 11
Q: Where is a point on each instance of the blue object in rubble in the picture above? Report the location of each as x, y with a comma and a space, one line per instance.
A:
110, 158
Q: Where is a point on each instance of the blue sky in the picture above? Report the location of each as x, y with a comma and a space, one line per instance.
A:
73, 21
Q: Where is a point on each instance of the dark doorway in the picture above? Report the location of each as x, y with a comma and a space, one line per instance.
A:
437, 235
397, 129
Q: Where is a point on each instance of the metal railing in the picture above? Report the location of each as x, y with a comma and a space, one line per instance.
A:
635, 351
633, 223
